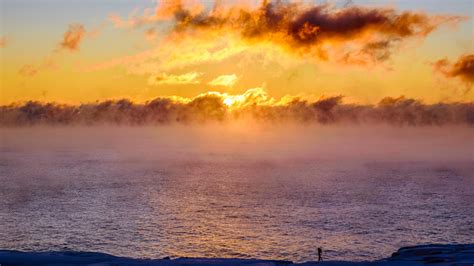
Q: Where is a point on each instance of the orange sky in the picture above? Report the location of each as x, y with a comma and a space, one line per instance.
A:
362, 51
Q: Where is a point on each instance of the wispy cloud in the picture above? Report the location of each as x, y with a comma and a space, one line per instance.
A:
134, 19
164, 78
169, 56
224, 80
163, 11
151, 34
70, 41
30, 70
73, 37
3, 42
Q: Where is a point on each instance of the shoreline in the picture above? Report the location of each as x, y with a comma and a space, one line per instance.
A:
438, 254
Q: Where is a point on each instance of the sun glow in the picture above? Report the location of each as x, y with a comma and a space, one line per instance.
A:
255, 96
232, 100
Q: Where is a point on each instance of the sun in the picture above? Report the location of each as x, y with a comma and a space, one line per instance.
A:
234, 100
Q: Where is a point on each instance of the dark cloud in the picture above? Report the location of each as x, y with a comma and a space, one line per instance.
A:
463, 68
210, 107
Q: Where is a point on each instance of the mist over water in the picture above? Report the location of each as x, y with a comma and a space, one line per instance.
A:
253, 106
236, 190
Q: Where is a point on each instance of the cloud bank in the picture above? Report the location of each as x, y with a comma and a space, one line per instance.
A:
254, 105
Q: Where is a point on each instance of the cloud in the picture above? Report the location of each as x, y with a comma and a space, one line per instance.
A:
118, 22
170, 55
295, 31
134, 19
151, 34
349, 34
71, 40
73, 37
224, 80
30, 70
163, 11
164, 78
3, 42
254, 104
252, 97
462, 69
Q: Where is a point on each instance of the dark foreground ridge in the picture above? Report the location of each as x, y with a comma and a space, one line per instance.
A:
456, 254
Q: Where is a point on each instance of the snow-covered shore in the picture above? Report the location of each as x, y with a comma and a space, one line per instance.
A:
459, 254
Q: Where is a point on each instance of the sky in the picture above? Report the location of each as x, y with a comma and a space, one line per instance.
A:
76, 51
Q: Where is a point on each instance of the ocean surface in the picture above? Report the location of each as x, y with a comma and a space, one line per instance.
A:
267, 193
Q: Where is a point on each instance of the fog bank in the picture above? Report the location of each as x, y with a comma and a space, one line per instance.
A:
244, 141
254, 105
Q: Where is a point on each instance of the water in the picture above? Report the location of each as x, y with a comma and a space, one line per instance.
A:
178, 192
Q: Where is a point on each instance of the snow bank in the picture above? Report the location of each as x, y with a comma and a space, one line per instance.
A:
417, 255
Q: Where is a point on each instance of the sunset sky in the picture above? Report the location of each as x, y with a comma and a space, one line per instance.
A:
78, 51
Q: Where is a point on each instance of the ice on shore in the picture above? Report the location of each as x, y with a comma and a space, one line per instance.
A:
459, 254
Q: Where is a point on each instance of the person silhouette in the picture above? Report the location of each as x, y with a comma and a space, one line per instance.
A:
320, 254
